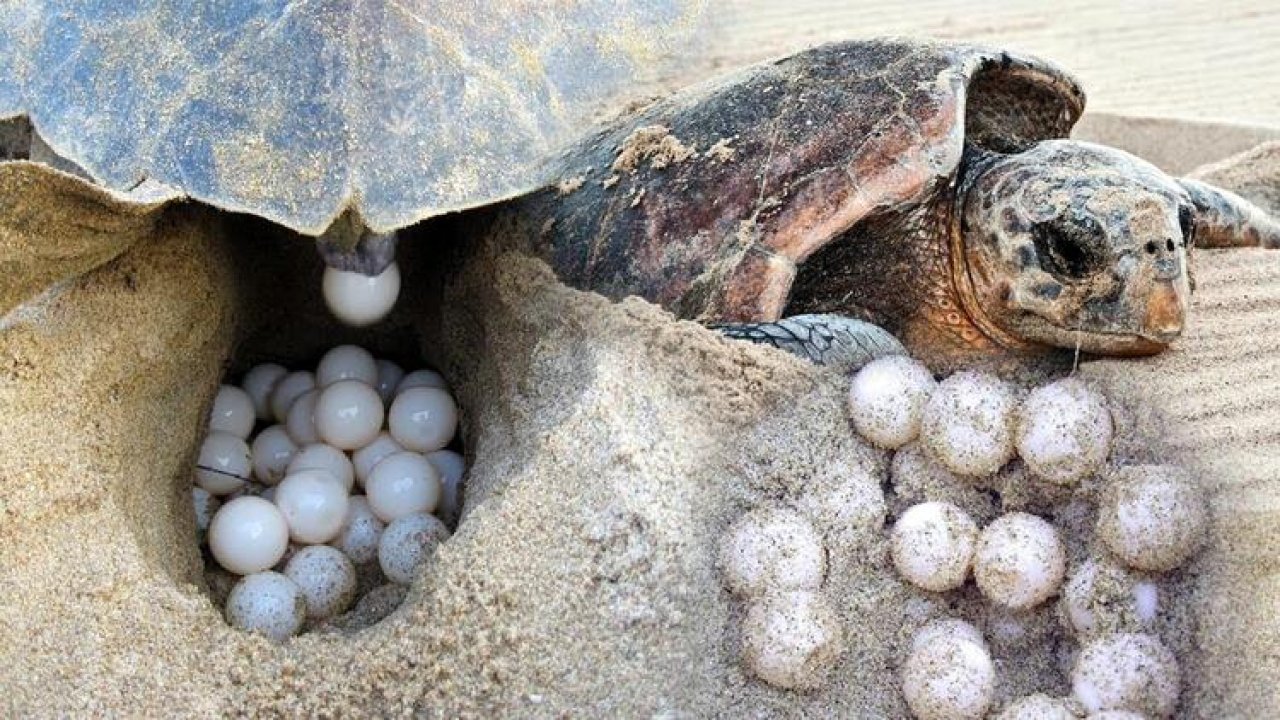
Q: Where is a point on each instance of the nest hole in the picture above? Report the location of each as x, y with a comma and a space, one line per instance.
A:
280, 317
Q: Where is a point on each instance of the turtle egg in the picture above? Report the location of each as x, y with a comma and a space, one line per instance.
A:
290, 388
324, 457
947, 627
248, 535
887, 399
300, 421
347, 362
272, 452
205, 505
421, 379
389, 376
932, 545
368, 457
357, 299
361, 529
403, 484
348, 414
314, 504
259, 382
1064, 431
1127, 671
1152, 517
791, 639
1115, 715
1101, 596
423, 419
232, 412
772, 549
268, 603
224, 463
968, 424
948, 676
326, 577
380, 602
407, 543
451, 467
1020, 561
1037, 707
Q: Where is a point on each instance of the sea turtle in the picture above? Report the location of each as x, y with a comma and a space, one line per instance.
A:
928, 188
377, 113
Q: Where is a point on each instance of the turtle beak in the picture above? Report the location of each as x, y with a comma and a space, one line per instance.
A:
1166, 311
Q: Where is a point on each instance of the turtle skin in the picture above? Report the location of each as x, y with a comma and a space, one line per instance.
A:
842, 181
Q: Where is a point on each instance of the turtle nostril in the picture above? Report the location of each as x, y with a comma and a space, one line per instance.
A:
1168, 244
1151, 247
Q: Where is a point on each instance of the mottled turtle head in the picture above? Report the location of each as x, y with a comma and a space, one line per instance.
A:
1076, 245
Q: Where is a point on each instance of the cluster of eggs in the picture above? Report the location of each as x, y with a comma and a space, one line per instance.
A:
774, 559
350, 482
1150, 520
962, 436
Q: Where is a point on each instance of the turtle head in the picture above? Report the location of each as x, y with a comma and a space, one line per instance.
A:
1076, 245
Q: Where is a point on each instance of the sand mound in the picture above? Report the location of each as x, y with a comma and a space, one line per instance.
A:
610, 447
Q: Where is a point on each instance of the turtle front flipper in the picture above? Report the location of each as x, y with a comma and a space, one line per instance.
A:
836, 341
1224, 219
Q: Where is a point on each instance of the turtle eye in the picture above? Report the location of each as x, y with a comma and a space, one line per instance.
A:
1187, 221
1067, 250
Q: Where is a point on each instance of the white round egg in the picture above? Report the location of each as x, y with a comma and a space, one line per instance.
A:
224, 463
887, 399
267, 603
248, 535
1102, 597
932, 546
407, 544
300, 421
259, 382
326, 577
1037, 707
367, 457
1064, 431
948, 676
1020, 561
423, 419
232, 412
290, 388
1127, 671
347, 362
771, 550
348, 414
451, 467
403, 484
357, 299
314, 504
421, 379
360, 532
272, 452
324, 457
389, 376
1152, 517
968, 424
791, 639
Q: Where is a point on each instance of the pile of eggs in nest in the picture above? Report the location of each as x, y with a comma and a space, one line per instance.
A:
348, 485
973, 433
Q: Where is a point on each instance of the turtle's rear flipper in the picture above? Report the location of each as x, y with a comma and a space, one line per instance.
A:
833, 340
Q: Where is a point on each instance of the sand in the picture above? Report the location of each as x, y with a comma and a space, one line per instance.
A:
610, 448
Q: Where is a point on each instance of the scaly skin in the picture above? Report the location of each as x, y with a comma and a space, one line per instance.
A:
924, 187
